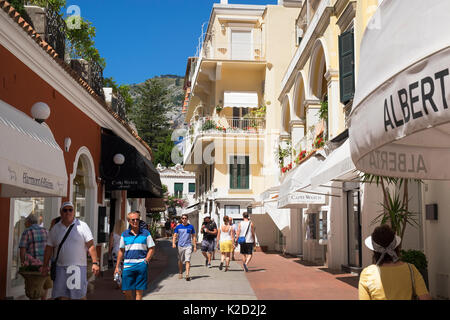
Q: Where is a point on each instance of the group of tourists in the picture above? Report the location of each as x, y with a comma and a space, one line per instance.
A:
225, 238
69, 239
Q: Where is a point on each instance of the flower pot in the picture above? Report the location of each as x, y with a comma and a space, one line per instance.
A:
34, 282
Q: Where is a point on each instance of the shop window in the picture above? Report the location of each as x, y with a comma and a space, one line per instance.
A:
232, 210
323, 225
22, 208
79, 193
311, 226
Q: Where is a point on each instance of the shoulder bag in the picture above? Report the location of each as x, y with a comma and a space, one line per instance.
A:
53, 264
411, 272
241, 240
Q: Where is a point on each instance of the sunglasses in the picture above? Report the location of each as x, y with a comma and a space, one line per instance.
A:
67, 210
183, 218
133, 220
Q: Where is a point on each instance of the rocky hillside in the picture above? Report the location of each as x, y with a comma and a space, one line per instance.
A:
174, 85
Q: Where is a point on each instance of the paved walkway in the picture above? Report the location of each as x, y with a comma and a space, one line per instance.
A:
271, 276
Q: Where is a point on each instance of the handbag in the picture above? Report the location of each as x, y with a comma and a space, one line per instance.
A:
53, 264
241, 240
414, 295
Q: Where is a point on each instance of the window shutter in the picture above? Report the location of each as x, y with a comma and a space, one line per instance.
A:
346, 66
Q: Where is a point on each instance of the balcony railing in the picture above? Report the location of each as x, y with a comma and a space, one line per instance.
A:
118, 105
55, 33
236, 51
221, 126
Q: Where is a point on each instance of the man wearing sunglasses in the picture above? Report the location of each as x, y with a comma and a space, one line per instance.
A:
137, 248
71, 266
186, 239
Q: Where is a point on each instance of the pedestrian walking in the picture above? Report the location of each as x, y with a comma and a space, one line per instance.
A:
136, 248
246, 230
114, 245
213, 257
389, 278
184, 233
225, 239
167, 228
209, 231
71, 237
32, 247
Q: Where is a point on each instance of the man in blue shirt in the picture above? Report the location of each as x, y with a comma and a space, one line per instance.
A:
137, 248
186, 239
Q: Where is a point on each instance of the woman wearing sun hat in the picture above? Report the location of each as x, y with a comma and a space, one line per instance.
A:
389, 278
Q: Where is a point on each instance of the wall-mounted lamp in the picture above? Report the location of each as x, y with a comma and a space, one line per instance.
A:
67, 143
40, 112
119, 159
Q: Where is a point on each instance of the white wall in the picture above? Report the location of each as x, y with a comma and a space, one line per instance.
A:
437, 238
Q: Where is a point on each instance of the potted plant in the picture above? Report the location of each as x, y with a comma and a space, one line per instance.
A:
418, 259
219, 109
34, 280
208, 125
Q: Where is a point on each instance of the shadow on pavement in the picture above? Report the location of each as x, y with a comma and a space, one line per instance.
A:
353, 281
333, 271
308, 263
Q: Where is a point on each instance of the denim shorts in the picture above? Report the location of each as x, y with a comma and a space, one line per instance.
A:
208, 245
135, 277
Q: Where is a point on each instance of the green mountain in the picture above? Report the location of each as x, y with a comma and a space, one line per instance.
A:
174, 85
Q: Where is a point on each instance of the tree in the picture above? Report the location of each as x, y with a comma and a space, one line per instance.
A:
163, 152
149, 113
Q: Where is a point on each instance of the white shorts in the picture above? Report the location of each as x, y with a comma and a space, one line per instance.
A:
184, 254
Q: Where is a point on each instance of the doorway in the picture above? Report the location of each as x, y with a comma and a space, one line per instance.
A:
354, 243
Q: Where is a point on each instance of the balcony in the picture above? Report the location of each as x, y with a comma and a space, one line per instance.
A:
238, 51
222, 127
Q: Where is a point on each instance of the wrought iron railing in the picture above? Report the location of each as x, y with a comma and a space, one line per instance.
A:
55, 33
96, 78
118, 105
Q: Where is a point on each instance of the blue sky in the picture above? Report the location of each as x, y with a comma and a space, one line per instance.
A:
143, 38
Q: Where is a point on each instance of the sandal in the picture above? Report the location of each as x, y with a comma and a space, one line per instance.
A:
180, 276
188, 278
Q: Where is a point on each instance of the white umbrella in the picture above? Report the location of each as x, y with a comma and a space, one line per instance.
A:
400, 122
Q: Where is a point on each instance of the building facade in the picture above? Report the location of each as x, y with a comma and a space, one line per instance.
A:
62, 158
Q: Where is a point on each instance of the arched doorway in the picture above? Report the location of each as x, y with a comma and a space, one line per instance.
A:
84, 189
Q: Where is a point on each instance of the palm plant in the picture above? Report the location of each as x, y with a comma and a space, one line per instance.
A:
395, 206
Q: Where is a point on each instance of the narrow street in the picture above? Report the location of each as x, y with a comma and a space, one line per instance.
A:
271, 277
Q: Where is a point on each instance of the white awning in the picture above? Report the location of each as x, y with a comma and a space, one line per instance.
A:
400, 122
31, 162
240, 99
338, 164
300, 179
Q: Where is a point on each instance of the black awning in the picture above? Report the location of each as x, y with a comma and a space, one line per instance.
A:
137, 174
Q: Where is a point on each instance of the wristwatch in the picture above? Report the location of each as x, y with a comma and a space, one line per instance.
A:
96, 263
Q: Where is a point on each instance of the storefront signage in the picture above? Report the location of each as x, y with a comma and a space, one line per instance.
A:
397, 161
38, 182
300, 200
418, 99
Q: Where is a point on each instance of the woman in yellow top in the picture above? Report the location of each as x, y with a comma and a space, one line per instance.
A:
389, 278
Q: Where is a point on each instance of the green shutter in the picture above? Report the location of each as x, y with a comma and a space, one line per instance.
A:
346, 66
191, 187
178, 189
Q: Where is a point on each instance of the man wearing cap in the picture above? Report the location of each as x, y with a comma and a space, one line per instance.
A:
209, 231
71, 267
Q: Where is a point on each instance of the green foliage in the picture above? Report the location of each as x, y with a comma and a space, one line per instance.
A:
149, 113
81, 43
415, 257
283, 153
323, 111
209, 124
163, 152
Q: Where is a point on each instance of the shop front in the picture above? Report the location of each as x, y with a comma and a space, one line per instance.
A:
400, 121
33, 177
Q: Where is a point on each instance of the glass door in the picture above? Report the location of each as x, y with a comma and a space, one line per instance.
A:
354, 227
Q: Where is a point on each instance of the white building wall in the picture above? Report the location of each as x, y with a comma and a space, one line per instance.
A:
437, 237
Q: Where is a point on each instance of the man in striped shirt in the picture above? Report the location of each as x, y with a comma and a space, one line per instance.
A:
136, 248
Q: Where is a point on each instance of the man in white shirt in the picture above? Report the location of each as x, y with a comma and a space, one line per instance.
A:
71, 267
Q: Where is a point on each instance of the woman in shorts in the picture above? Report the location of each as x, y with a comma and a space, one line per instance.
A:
225, 240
